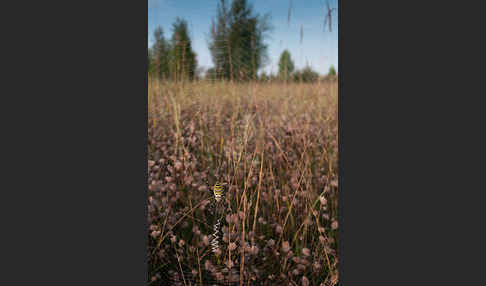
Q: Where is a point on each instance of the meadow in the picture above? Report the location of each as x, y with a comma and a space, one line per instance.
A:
275, 145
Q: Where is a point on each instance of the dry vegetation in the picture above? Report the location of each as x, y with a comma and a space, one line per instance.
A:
276, 147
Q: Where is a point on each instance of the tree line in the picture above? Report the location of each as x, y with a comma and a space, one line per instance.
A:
172, 59
287, 72
237, 45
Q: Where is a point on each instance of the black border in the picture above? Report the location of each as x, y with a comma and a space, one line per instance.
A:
78, 216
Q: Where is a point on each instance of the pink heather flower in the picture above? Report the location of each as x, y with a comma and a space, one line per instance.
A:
155, 233
305, 251
206, 240
305, 281
178, 165
207, 265
188, 180
241, 215
334, 224
202, 188
232, 246
285, 246
323, 201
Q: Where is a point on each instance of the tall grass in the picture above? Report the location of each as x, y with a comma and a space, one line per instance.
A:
275, 145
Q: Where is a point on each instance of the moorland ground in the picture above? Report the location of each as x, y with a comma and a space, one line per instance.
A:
275, 146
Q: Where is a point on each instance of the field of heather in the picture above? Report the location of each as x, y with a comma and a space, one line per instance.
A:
275, 147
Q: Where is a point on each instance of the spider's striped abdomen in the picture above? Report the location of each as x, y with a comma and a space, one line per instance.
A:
218, 191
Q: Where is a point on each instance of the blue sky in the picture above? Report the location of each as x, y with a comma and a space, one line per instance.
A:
319, 48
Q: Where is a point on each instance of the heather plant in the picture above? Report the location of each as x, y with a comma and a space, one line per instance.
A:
275, 147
